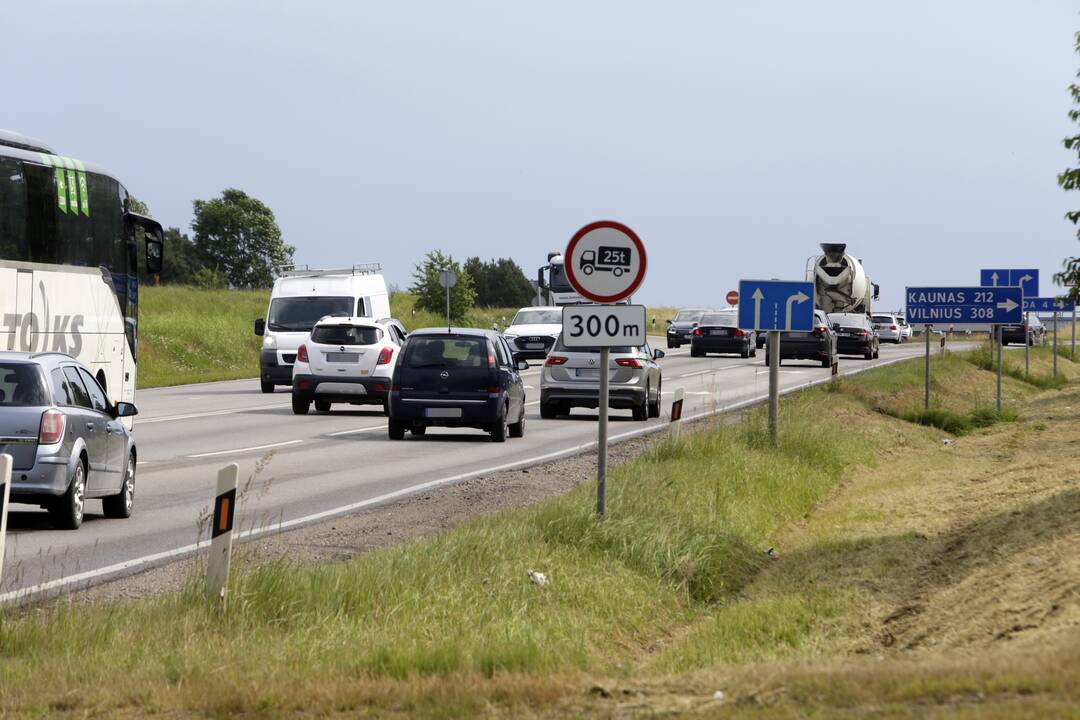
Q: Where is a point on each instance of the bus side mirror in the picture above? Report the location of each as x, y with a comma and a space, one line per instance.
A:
155, 249
260, 327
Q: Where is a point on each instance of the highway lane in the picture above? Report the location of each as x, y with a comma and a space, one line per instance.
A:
321, 463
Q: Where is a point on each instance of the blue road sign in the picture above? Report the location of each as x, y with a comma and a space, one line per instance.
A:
965, 305
1047, 305
776, 305
1027, 279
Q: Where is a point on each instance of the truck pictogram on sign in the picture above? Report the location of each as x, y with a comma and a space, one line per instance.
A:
615, 260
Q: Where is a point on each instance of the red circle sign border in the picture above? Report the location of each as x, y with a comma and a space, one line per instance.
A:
568, 264
729, 295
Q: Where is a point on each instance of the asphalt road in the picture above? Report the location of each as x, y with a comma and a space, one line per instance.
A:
315, 466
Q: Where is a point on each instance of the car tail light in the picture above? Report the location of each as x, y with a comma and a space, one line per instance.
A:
892, 327
555, 360
494, 390
51, 431
739, 332
697, 331
820, 330
384, 355
629, 362
301, 354
379, 387
492, 362
303, 384
864, 333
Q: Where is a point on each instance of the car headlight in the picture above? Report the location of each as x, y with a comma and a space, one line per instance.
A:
269, 342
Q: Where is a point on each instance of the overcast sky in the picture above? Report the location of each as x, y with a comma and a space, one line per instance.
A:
732, 136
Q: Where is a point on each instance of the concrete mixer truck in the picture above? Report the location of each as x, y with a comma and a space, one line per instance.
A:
841, 284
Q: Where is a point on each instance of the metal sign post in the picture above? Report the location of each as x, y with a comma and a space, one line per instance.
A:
605, 262
1055, 341
5, 492
926, 390
774, 385
1027, 344
448, 279
999, 346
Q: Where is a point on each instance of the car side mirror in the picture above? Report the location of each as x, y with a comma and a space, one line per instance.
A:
657, 354
124, 409
669, 321
522, 364
260, 327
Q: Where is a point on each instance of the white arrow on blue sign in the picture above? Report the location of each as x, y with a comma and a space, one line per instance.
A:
1047, 305
1028, 279
985, 305
776, 305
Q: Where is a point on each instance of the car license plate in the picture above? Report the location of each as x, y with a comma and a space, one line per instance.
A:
442, 412
798, 334
534, 346
721, 333
587, 372
342, 357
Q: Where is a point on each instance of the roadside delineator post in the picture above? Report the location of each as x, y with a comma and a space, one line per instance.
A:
1027, 344
926, 389
676, 413
5, 492
221, 536
999, 337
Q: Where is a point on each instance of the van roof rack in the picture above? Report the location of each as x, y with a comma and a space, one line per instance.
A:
308, 271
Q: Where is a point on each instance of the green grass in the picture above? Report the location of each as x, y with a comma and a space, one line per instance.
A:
984, 358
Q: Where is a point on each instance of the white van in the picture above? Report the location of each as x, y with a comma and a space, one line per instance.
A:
300, 298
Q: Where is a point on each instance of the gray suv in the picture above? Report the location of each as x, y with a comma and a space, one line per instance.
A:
571, 378
65, 437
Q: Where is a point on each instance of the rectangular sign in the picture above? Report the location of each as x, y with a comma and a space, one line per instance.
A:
965, 305
1028, 279
1047, 305
589, 326
776, 305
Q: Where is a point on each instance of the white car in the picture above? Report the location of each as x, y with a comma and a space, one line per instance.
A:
345, 360
888, 328
906, 331
532, 333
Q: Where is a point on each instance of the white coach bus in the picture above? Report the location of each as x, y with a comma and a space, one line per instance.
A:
68, 262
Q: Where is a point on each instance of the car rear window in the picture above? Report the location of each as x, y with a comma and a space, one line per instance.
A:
448, 352
883, 319
688, 316
614, 350
345, 335
721, 319
22, 385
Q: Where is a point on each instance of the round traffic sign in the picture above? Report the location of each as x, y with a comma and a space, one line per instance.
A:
447, 278
733, 297
605, 261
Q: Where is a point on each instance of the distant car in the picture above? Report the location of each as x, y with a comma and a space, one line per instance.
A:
855, 335
345, 360
905, 327
888, 328
719, 332
533, 330
461, 377
571, 378
681, 329
1033, 334
66, 438
818, 344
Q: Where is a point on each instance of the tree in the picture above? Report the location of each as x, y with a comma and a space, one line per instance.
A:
240, 238
499, 283
431, 296
1070, 180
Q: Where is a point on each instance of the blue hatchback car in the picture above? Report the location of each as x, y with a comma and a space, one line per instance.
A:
457, 377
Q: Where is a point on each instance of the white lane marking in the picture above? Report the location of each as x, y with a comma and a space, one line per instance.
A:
688, 392
786, 372
247, 449
712, 370
358, 430
59, 584
208, 413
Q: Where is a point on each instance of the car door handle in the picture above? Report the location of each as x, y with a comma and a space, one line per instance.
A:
90, 426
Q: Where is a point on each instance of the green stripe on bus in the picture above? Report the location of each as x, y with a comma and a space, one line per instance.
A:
61, 190
73, 191
84, 193
47, 159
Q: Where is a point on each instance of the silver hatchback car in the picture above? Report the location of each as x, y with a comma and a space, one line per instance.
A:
65, 437
571, 378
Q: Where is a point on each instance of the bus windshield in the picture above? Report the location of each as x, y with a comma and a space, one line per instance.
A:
299, 314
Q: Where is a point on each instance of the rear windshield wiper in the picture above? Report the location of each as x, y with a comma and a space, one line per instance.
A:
428, 365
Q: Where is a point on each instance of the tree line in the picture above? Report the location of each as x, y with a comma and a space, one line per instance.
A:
492, 283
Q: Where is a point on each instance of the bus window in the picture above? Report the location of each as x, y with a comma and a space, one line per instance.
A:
12, 209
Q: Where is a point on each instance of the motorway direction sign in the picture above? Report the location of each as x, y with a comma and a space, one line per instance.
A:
605, 261
601, 326
986, 305
776, 305
732, 297
1028, 279
1047, 305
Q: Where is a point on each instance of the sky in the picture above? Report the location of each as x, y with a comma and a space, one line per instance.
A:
733, 137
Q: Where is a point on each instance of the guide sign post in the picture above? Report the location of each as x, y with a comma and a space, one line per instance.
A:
605, 262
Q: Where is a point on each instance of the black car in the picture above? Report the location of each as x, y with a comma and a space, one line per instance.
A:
855, 335
1033, 334
461, 377
819, 344
680, 330
719, 333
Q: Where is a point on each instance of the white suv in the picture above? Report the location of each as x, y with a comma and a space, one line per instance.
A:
345, 360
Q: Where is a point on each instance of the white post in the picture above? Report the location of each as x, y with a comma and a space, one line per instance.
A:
221, 536
5, 493
676, 413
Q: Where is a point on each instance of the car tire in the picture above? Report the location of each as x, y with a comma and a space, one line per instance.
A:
67, 510
641, 412
120, 505
517, 430
548, 411
322, 405
877, 352
396, 429
418, 430
654, 407
745, 353
500, 430
753, 351
671, 345
300, 407
826, 363
694, 352
267, 387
